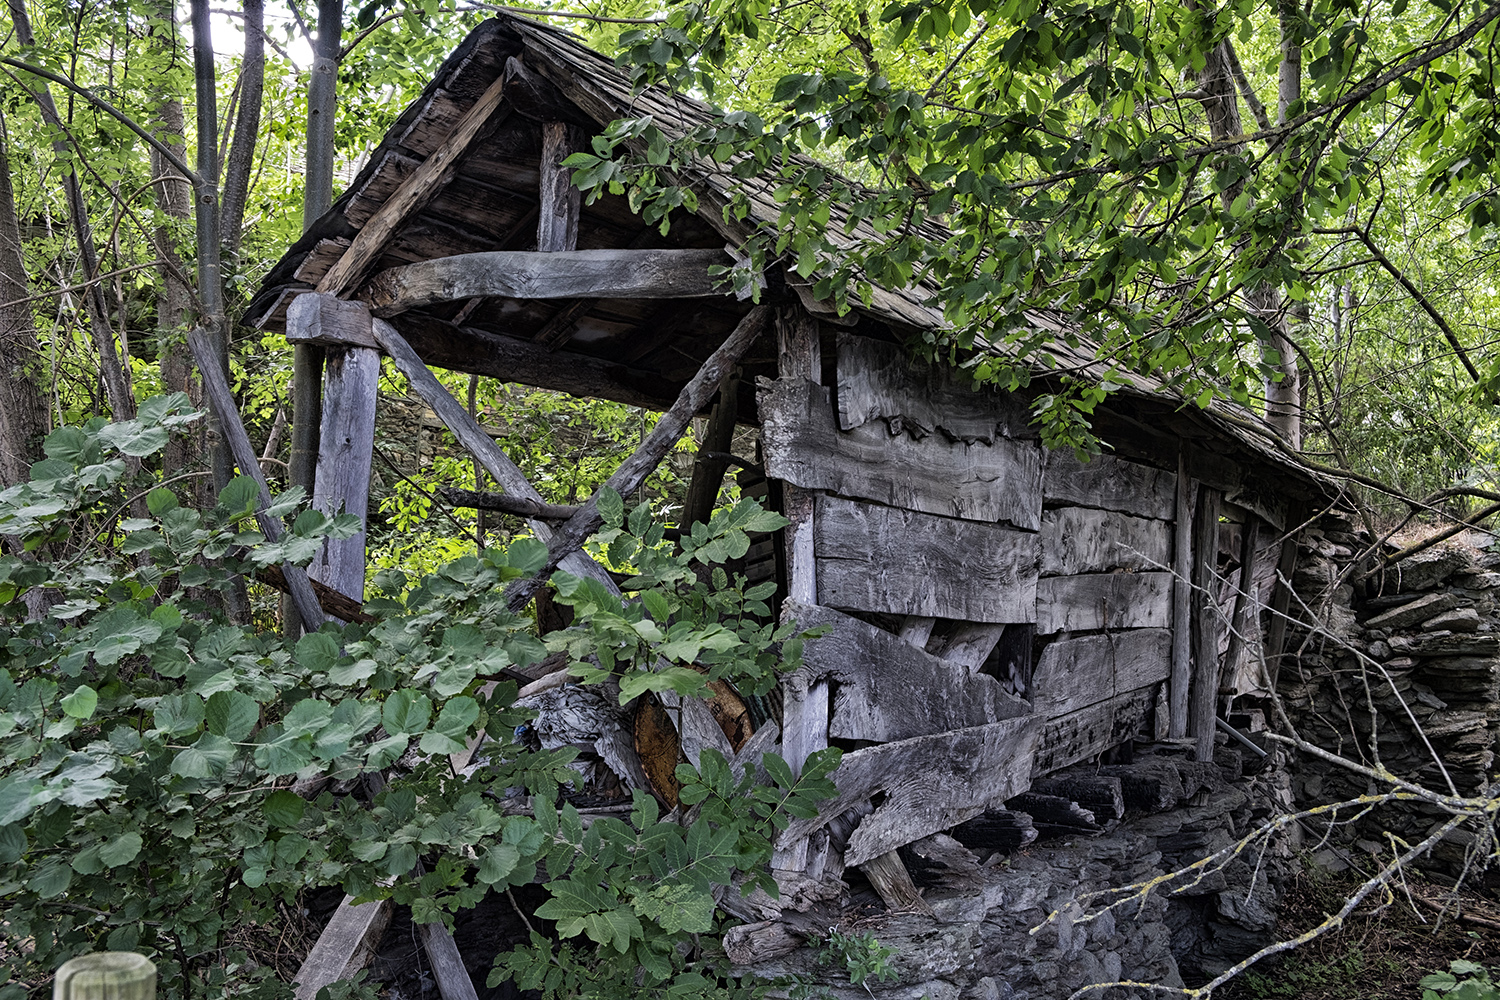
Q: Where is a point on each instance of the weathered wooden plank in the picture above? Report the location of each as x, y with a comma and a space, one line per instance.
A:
696, 727
1207, 624
1244, 618
347, 944
1090, 731
327, 320
968, 644
996, 829
1102, 796
888, 383
526, 274
1182, 602
890, 879
710, 464
1080, 540
1095, 601
414, 193
931, 783
447, 964
1074, 673
874, 558
997, 481
346, 449
886, 690
557, 220
1109, 483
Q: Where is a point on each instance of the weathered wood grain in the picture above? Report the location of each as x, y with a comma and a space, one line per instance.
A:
415, 192
1109, 483
327, 320
968, 644
1102, 796
1182, 602
346, 449
1207, 625
887, 690
1074, 673
347, 944
931, 783
1080, 540
885, 382
996, 829
890, 879
453, 981
557, 219
563, 274
1095, 601
873, 558
1090, 731
998, 481
696, 728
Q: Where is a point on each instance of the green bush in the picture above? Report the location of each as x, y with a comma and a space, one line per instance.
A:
1464, 980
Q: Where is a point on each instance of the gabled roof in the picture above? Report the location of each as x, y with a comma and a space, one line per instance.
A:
641, 351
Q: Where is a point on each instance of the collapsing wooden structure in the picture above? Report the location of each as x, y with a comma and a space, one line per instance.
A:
998, 611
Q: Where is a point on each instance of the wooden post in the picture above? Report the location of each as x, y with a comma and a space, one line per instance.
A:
1281, 605
106, 975
718, 439
1206, 618
1245, 615
1182, 603
557, 219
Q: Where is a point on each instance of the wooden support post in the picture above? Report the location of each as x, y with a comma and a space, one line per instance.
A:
216, 388
1206, 623
1281, 605
634, 470
106, 975
1182, 603
346, 447
347, 944
1244, 618
557, 219
708, 472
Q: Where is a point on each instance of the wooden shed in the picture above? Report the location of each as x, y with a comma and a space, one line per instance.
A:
999, 611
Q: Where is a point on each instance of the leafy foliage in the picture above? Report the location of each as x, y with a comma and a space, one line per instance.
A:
1464, 980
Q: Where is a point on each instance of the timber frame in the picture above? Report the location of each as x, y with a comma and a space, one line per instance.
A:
997, 611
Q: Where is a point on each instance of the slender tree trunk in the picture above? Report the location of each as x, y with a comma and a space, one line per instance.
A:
23, 409
317, 199
116, 379
241, 160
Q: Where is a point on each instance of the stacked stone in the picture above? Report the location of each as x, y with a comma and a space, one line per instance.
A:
1413, 658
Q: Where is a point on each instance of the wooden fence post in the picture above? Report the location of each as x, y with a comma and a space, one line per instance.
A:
106, 975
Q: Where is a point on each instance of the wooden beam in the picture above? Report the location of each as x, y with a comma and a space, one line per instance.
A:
1206, 624
1092, 601
328, 321
453, 980
1281, 605
522, 274
1080, 540
634, 470
505, 503
1182, 602
708, 470
346, 448
557, 219
1245, 616
216, 388
1110, 483
414, 193
473, 437
334, 603
347, 945
558, 330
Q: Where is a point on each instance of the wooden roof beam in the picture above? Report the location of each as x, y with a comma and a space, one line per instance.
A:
564, 274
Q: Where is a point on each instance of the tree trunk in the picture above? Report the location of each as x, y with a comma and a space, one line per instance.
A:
113, 374
23, 410
246, 127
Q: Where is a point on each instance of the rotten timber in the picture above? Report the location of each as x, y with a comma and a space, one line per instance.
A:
346, 448
931, 784
1090, 731
989, 482
885, 690
873, 558
346, 946
525, 274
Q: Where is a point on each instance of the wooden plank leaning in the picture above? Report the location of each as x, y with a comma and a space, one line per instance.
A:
346, 945
216, 388
571, 535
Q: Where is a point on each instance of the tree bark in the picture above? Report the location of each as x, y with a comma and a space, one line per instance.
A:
23, 410
116, 380
241, 160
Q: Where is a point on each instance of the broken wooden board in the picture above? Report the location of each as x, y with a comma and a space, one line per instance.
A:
995, 481
1080, 540
931, 784
1090, 731
346, 945
1109, 483
884, 382
886, 690
873, 558
1077, 672
1094, 601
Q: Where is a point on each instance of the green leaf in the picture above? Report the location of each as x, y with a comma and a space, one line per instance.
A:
12, 843
528, 555
231, 715
121, 850
611, 507
677, 907
239, 496
317, 651
498, 862
283, 808
178, 713
406, 712
134, 438
160, 500
206, 758
80, 704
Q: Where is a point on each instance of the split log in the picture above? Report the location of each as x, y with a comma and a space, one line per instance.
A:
347, 944
931, 784
505, 503
216, 388
563, 274
1094, 601
998, 481
997, 830
415, 192
1079, 540
634, 470
325, 320
1109, 483
887, 690
881, 559
1101, 795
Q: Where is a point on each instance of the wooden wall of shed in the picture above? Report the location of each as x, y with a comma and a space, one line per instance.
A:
938, 509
